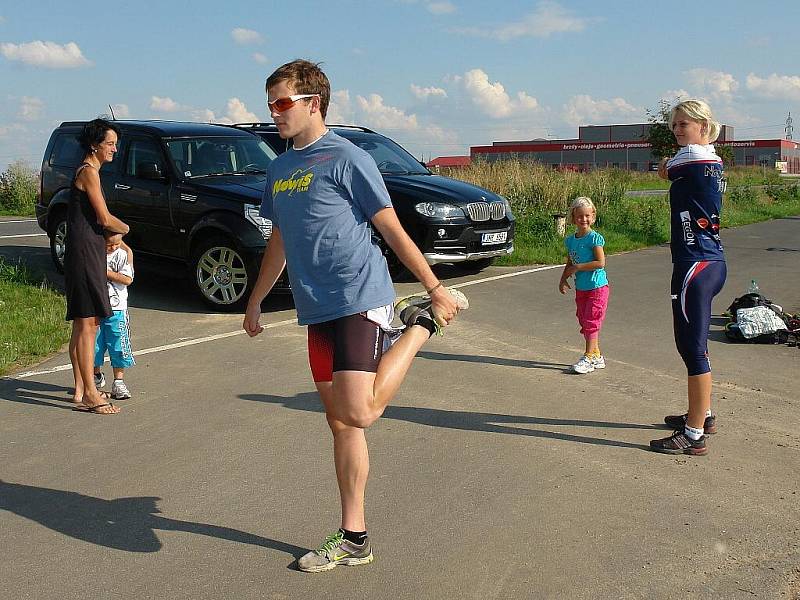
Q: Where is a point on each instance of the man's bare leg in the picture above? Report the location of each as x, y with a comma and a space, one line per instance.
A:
351, 458
360, 397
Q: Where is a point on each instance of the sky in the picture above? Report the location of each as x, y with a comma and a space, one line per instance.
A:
436, 76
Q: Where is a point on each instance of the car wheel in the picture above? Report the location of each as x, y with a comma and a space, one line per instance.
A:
58, 236
221, 275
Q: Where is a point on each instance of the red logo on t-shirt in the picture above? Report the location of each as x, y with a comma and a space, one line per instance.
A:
703, 223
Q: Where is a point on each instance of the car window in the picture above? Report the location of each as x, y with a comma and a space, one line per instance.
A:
142, 151
66, 151
207, 156
390, 157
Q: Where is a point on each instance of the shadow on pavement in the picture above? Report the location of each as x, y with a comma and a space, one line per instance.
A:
471, 421
127, 524
35, 393
494, 360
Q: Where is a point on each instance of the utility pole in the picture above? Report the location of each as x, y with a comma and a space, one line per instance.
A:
788, 129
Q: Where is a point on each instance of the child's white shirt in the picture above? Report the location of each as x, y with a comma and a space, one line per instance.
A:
117, 262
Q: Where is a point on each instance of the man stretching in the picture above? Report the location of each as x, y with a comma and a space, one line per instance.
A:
323, 196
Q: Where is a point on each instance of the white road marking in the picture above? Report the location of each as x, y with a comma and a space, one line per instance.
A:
220, 336
22, 235
18, 221
202, 340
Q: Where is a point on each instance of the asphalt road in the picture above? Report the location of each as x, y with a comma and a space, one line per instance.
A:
495, 473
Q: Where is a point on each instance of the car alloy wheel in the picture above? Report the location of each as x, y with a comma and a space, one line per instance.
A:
58, 244
221, 275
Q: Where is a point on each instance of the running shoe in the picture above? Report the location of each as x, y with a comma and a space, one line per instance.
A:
119, 391
679, 443
584, 365
99, 380
678, 422
598, 362
419, 306
335, 551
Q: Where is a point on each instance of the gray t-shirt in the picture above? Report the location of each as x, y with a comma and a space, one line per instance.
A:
322, 199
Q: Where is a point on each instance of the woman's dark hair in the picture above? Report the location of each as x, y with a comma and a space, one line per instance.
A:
94, 132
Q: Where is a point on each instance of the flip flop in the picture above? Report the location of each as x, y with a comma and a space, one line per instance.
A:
95, 409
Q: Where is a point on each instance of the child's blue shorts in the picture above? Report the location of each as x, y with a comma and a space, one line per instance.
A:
114, 336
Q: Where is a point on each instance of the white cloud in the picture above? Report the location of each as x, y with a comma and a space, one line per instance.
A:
46, 54
491, 98
30, 108
159, 104
203, 115
426, 92
672, 95
260, 58
716, 84
383, 116
584, 110
549, 18
244, 36
776, 87
121, 111
238, 113
340, 109
440, 8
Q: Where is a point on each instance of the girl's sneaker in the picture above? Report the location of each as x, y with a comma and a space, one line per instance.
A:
598, 362
584, 365
99, 380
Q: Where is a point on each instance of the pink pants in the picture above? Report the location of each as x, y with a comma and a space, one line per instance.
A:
591, 310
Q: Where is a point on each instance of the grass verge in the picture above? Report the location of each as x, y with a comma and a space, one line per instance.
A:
32, 323
627, 222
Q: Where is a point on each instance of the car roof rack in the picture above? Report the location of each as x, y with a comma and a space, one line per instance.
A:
265, 124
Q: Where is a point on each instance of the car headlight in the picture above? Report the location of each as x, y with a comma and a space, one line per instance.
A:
509, 214
439, 210
251, 213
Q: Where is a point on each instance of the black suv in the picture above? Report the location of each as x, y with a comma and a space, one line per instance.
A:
450, 220
189, 191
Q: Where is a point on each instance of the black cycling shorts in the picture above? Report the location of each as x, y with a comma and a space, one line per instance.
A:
352, 343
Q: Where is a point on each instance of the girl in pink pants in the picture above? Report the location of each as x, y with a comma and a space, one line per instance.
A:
587, 260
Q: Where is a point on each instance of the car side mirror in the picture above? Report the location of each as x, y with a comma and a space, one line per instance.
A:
149, 170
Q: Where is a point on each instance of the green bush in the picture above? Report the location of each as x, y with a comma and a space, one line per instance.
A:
19, 186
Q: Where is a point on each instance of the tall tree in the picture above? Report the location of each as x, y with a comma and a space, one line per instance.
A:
659, 135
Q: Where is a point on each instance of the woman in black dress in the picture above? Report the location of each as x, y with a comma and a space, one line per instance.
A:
85, 261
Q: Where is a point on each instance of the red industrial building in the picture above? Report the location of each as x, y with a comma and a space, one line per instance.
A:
624, 146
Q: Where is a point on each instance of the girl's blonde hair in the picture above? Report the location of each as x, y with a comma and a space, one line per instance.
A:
580, 202
700, 111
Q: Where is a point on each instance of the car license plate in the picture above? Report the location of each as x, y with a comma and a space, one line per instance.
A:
494, 238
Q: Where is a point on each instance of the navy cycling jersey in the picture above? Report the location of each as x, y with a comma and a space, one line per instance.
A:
695, 200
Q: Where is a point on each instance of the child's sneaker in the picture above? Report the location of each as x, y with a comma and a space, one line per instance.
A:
584, 365
119, 391
99, 380
598, 362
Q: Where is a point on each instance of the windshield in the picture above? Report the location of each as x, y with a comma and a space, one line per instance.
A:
391, 158
207, 156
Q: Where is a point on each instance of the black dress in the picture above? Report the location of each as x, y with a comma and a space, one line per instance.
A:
84, 259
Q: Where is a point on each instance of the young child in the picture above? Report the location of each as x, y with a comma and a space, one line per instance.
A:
587, 260
113, 335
